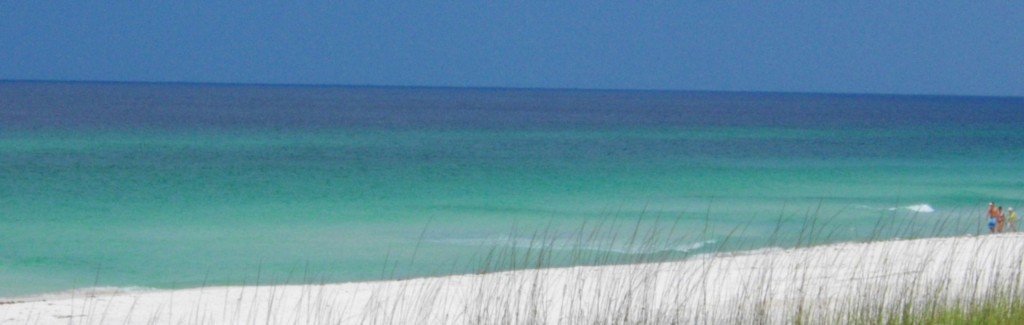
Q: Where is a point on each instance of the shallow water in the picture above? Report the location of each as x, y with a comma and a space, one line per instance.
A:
170, 185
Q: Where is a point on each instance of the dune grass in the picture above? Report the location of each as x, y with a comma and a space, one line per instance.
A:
618, 273
979, 286
515, 285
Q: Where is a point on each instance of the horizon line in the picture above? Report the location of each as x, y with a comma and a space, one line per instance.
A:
510, 88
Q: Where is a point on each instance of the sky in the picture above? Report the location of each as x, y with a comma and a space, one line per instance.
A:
891, 47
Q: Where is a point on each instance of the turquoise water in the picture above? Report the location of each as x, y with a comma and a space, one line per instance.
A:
169, 186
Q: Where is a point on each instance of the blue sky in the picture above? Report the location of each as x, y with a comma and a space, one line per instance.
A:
908, 47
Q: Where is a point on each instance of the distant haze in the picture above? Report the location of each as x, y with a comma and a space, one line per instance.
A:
905, 47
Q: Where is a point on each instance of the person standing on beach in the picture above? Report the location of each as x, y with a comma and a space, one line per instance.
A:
1000, 220
992, 212
1013, 220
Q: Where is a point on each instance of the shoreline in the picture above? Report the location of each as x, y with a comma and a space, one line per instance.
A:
775, 282
104, 290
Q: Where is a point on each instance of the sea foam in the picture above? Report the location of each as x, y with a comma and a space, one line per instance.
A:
920, 208
568, 244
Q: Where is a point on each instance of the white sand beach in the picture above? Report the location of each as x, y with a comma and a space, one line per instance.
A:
819, 283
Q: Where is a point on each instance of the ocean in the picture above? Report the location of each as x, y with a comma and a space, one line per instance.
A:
140, 186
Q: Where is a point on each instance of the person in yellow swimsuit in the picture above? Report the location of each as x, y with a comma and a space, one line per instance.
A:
1012, 218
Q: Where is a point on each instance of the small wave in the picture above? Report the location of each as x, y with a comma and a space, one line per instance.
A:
570, 244
924, 208
685, 248
921, 208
